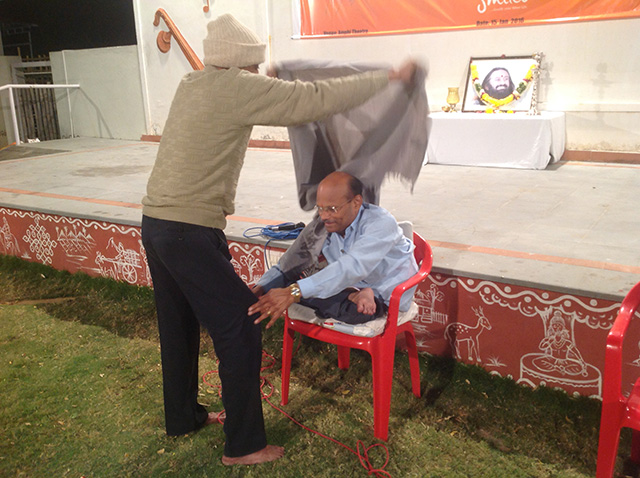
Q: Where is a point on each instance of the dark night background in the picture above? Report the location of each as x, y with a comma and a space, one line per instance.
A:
57, 25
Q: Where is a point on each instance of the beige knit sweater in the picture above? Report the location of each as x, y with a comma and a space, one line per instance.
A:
206, 135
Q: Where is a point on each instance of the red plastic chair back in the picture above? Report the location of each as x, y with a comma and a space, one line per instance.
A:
381, 347
618, 411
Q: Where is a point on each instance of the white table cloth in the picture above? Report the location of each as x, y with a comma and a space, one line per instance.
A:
502, 140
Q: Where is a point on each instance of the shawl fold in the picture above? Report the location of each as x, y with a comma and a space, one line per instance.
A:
384, 137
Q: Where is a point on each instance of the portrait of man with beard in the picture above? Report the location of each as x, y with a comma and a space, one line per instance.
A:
498, 83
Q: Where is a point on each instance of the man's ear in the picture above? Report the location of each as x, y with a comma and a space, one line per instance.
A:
358, 200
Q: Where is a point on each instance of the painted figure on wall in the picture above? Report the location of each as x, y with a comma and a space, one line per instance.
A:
121, 267
458, 334
560, 352
8, 241
248, 261
560, 362
77, 243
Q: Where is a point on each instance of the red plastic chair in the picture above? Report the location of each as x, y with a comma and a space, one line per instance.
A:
381, 347
618, 410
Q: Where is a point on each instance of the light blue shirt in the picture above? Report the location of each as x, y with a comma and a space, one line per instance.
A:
373, 253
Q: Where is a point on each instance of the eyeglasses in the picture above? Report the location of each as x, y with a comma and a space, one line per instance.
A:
332, 209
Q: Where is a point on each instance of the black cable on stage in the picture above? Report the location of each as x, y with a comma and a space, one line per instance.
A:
277, 232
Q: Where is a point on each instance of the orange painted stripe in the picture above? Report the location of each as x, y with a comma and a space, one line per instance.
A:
596, 164
537, 257
433, 243
130, 205
70, 153
270, 150
72, 198
255, 220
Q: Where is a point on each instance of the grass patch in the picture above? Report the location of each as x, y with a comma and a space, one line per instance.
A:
80, 395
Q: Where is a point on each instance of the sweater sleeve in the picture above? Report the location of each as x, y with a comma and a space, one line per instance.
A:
273, 102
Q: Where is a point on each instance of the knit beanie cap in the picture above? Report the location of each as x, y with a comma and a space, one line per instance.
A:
230, 43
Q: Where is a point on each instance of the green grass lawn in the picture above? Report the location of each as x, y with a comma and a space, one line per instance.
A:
80, 396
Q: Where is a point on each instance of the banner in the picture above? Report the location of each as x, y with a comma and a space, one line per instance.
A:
330, 18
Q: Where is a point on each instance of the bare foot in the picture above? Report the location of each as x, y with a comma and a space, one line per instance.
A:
215, 417
268, 453
364, 300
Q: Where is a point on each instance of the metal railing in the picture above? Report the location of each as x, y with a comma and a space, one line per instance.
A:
14, 116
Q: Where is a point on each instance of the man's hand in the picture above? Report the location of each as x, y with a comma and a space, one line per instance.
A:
272, 304
272, 71
405, 73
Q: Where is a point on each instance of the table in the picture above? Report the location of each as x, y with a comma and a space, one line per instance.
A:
505, 140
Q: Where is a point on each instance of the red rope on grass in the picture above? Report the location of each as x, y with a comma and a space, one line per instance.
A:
361, 451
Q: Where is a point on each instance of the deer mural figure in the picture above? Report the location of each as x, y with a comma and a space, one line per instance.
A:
457, 333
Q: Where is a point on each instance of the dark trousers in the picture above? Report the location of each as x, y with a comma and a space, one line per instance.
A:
339, 307
195, 285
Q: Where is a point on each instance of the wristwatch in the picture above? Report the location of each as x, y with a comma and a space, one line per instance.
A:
295, 292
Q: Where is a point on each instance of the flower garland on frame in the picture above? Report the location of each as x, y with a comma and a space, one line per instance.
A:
496, 103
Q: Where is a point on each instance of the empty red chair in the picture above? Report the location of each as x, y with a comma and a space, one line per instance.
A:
380, 347
618, 411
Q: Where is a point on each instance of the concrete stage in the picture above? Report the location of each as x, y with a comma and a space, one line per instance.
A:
519, 255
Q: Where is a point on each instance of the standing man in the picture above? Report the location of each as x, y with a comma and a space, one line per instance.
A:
190, 191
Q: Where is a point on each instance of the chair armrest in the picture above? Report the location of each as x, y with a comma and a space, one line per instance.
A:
421, 275
628, 308
613, 354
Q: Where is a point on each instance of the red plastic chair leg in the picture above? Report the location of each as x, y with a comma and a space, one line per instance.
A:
287, 353
343, 357
607, 450
382, 370
414, 363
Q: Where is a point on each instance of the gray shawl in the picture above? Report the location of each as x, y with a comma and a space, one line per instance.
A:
386, 136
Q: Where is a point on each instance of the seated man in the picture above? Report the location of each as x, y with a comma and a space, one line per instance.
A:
367, 257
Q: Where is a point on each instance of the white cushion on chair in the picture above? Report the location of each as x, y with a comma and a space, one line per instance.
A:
368, 329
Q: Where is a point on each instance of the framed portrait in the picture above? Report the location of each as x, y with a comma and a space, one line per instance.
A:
501, 83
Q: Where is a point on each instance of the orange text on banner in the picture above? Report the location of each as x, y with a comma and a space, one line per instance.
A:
327, 18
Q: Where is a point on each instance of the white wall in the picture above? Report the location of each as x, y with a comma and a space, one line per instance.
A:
161, 72
109, 102
590, 68
6, 125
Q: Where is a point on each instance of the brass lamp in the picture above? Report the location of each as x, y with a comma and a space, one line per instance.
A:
453, 97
